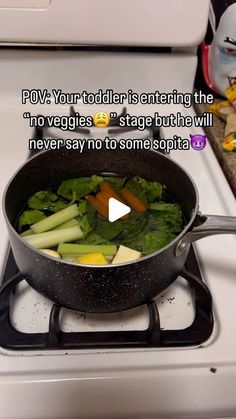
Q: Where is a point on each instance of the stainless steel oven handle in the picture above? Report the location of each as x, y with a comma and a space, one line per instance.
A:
211, 225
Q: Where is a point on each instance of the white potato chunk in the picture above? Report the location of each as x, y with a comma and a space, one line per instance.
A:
125, 254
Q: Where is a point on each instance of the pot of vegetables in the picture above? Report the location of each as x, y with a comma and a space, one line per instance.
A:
56, 210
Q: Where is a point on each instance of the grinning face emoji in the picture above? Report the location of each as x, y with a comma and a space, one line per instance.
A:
101, 119
198, 142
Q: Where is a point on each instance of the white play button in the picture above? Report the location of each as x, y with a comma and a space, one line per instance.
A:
116, 209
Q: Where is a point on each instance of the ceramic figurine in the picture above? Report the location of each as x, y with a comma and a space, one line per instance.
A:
219, 58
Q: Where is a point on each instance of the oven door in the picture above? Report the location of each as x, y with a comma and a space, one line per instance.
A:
107, 22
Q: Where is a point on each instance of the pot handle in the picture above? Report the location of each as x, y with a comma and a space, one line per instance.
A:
210, 225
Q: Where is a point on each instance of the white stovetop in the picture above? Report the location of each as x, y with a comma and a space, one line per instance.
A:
135, 383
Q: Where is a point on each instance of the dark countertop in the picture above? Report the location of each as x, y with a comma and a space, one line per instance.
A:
215, 136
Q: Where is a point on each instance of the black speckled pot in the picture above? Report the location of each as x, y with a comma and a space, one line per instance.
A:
98, 289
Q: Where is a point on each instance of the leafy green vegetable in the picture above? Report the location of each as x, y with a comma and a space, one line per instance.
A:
134, 186
46, 200
88, 221
107, 230
146, 191
166, 216
83, 207
93, 238
30, 217
167, 207
153, 189
153, 241
57, 206
82, 186
133, 228
150, 232
41, 200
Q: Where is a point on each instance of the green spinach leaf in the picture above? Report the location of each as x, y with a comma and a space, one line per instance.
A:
82, 186
93, 238
146, 191
107, 230
150, 232
30, 217
88, 221
166, 217
46, 201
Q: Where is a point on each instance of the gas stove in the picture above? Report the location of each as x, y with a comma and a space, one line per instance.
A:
175, 357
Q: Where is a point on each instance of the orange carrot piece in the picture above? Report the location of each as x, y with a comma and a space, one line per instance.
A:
98, 205
104, 198
105, 187
132, 200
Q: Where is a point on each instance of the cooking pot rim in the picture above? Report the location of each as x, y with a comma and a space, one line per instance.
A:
108, 266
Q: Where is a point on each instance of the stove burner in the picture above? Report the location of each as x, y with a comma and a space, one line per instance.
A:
114, 122
152, 337
154, 132
78, 129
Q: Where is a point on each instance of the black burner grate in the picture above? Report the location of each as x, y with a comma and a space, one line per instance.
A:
152, 337
114, 128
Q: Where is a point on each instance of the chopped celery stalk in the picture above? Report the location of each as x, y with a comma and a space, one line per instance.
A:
70, 223
69, 258
55, 220
53, 238
26, 233
84, 249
